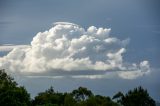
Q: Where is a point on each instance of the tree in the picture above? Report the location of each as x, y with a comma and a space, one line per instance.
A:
10, 93
49, 97
81, 94
99, 100
6, 80
136, 97
118, 97
68, 100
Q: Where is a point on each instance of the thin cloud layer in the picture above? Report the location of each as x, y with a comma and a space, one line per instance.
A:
9, 47
68, 47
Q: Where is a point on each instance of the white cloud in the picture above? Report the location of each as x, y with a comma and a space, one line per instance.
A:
135, 71
68, 47
9, 47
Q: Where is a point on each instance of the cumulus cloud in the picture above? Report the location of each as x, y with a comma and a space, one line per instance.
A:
69, 48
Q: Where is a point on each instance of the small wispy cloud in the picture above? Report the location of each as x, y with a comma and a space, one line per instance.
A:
9, 47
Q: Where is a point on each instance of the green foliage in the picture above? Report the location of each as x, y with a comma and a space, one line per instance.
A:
99, 100
118, 96
79, 97
49, 97
136, 97
10, 93
6, 81
68, 100
81, 94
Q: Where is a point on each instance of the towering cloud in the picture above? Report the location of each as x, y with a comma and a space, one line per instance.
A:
69, 48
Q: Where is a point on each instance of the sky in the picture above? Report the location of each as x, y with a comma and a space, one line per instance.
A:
104, 45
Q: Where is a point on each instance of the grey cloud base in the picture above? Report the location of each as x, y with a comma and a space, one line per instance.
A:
69, 49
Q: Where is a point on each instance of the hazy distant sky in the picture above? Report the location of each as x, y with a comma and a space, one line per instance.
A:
137, 20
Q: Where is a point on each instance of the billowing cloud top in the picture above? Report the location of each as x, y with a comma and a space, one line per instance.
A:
69, 48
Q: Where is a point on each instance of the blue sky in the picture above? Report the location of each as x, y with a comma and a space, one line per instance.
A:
137, 20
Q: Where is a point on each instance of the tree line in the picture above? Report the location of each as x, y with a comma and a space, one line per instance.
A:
11, 94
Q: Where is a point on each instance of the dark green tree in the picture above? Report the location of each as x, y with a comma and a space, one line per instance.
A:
10, 93
49, 97
118, 97
135, 97
99, 100
81, 94
68, 100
